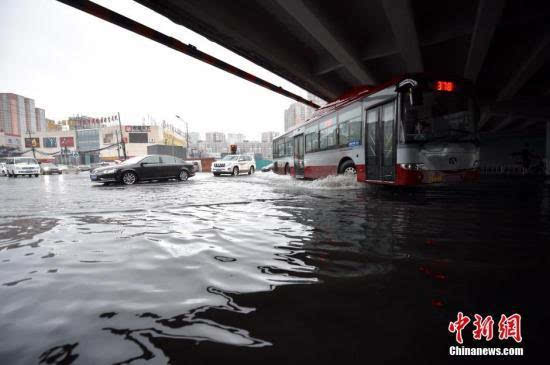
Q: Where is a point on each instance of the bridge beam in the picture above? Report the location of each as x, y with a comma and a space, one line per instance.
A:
531, 65
548, 148
488, 15
401, 18
328, 38
505, 123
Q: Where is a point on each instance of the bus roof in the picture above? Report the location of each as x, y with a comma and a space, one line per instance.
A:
361, 91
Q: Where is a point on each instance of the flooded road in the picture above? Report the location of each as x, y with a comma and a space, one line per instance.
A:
264, 268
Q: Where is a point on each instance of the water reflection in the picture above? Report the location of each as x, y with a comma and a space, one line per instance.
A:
288, 273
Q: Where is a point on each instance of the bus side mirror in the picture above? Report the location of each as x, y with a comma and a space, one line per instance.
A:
416, 96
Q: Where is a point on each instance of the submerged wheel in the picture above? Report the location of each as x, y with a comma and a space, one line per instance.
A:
251, 171
35, 175
235, 171
183, 175
129, 178
348, 168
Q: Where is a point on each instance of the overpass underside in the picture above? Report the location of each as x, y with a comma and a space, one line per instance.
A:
328, 47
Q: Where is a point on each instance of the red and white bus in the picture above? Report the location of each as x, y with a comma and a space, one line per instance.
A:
413, 130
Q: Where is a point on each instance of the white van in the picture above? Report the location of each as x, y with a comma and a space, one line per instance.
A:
18, 166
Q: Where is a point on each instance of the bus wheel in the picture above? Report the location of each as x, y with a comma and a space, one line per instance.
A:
348, 168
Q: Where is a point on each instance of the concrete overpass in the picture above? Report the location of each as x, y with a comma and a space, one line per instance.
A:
328, 47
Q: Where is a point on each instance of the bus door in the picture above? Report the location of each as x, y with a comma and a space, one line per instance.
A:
380, 144
299, 156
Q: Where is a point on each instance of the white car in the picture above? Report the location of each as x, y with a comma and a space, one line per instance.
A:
20, 166
234, 165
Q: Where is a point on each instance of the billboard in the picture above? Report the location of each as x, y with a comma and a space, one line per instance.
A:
108, 138
137, 128
49, 142
66, 141
138, 137
32, 142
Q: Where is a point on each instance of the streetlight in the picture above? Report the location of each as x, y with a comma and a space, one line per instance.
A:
186, 131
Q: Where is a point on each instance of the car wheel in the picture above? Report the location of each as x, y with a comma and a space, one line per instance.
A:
235, 171
14, 176
35, 175
183, 175
348, 168
129, 178
251, 171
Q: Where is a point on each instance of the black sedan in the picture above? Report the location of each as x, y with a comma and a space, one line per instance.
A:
142, 168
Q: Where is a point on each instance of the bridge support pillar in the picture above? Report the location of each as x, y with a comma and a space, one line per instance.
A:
547, 148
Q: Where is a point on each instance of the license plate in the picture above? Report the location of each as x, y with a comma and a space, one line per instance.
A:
453, 178
93, 177
436, 179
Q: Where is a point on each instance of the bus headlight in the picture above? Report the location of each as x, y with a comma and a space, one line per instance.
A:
412, 166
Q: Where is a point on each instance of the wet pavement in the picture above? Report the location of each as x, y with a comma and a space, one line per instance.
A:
265, 268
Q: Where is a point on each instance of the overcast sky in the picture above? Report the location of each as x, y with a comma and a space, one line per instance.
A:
72, 63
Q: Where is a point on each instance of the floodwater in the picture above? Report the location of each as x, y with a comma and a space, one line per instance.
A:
264, 268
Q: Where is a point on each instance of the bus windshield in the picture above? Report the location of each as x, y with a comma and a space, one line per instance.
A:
442, 116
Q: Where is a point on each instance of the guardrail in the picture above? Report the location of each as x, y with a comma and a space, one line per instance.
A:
514, 169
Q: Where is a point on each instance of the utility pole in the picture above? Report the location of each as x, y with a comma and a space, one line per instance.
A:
122, 138
117, 144
186, 134
32, 143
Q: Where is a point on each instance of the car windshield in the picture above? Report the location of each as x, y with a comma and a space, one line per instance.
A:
29, 161
230, 158
133, 160
442, 116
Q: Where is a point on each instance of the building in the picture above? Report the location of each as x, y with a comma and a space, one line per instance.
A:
41, 125
298, 113
235, 138
267, 137
18, 118
194, 137
215, 137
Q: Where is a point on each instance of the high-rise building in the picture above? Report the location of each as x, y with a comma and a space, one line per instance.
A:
30, 115
40, 119
268, 137
298, 113
213, 137
194, 137
235, 138
18, 115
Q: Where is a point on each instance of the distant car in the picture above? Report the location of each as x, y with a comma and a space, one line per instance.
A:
22, 166
101, 164
50, 169
142, 168
84, 167
267, 168
234, 165
3, 169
